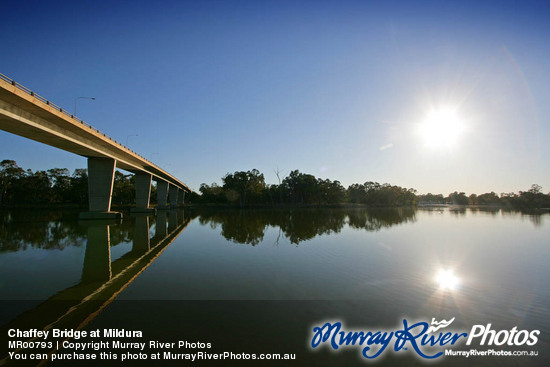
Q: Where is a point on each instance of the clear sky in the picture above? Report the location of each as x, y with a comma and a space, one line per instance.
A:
439, 96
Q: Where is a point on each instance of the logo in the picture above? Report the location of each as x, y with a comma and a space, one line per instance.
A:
439, 325
428, 341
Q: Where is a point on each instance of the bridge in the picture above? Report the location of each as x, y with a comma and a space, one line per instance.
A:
24, 113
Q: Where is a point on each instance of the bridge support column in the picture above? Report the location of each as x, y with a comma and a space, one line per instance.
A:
173, 196
101, 174
181, 197
143, 193
162, 194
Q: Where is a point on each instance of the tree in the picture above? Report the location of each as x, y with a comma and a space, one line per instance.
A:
31, 188
78, 192
490, 198
278, 187
458, 198
330, 192
60, 182
9, 173
356, 193
212, 193
535, 189
532, 198
301, 187
247, 185
124, 189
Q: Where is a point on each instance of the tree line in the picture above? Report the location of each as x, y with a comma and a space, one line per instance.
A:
57, 186
249, 188
245, 189
533, 198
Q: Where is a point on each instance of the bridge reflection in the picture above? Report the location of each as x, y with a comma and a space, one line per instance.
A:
102, 279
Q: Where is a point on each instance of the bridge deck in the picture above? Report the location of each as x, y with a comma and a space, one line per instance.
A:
24, 113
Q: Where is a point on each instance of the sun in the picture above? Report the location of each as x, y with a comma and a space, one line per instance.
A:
441, 128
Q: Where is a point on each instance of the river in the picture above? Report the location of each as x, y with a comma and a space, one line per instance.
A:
259, 281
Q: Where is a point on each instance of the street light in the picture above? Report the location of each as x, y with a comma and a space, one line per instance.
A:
127, 137
76, 99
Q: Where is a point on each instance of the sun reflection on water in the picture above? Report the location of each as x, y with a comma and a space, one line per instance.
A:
447, 280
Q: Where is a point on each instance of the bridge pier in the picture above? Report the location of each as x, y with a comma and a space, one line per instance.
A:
173, 196
162, 194
101, 175
143, 193
181, 197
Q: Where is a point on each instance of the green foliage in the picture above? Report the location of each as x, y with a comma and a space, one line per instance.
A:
124, 189
430, 199
374, 194
10, 172
248, 186
212, 193
301, 188
488, 199
55, 186
78, 187
245, 188
532, 198
457, 198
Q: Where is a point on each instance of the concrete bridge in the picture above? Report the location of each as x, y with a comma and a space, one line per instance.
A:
24, 113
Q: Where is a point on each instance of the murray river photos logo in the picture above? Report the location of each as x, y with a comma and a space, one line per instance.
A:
429, 341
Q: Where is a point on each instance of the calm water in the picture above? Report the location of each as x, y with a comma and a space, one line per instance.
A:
259, 280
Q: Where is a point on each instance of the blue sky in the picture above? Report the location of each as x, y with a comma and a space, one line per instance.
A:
336, 89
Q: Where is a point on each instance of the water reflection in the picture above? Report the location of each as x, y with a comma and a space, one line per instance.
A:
20, 230
535, 218
375, 220
447, 280
97, 260
368, 267
458, 211
50, 230
249, 226
102, 279
56, 230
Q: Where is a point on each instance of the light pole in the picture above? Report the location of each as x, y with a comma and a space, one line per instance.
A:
77, 98
127, 137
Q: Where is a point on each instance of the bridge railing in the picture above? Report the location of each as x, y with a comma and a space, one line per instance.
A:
45, 101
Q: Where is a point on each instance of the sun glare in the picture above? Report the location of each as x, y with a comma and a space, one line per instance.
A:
441, 128
447, 280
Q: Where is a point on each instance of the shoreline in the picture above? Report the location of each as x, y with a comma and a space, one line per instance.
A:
227, 206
